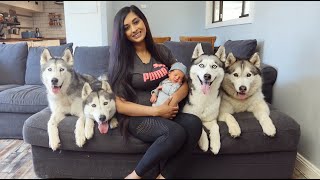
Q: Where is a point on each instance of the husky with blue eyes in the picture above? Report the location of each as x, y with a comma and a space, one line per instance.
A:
64, 89
206, 74
99, 106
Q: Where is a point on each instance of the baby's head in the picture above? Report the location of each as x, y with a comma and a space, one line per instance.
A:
177, 73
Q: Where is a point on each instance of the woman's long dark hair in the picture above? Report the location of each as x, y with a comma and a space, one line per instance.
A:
122, 53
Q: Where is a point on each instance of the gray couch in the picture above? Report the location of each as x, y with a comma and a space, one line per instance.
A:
253, 155
21, 91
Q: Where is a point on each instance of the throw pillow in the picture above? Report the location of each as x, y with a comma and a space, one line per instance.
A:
13, 59
182, 51
241, 49
91, 60
33, 61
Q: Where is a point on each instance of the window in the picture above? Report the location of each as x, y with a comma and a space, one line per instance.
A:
225, 13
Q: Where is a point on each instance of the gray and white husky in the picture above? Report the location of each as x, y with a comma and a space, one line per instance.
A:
242, 91
99, 105
64, 88
206, 74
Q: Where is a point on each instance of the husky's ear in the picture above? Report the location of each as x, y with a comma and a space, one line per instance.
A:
106, 86
230, 60
255, 60
68, 57
198, 51
45, 56
221, 54
86, 90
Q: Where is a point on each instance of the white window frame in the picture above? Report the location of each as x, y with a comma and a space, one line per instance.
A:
244, 20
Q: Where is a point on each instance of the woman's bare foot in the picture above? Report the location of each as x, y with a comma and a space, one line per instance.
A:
160, 177
133, 175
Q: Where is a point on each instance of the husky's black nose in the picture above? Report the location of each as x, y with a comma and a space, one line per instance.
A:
102, 118
54, 81
207, 77
242, 88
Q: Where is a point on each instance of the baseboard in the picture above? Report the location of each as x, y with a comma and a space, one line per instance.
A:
309, 170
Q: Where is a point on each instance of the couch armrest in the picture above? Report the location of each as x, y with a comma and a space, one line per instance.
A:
269, 77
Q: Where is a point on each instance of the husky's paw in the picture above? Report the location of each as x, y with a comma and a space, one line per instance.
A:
54, 143
269, 129
234, 131
114, 123
204, 144
89, 132
215, 145
80, 137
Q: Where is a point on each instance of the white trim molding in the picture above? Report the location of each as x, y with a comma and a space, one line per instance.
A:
309, 170
244, 20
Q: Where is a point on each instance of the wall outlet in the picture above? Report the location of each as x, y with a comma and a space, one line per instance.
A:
143, 6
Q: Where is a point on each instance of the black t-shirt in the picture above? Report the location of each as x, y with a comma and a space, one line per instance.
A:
146, 77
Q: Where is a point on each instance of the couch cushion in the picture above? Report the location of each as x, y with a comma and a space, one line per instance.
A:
182, 51
23, 99
91, 60
35, 133
242, 49
8, 86
251, 140
33, 61
13, 59
269, 75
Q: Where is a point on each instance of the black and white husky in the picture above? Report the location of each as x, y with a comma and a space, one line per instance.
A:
242, 91
206, 74
99, 105
64, 89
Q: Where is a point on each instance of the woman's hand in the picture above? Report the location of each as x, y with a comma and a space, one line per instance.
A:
166, 111
153, 98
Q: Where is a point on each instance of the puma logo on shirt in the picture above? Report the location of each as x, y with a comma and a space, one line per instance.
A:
151, 76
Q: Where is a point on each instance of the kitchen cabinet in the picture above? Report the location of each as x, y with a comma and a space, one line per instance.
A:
34, 6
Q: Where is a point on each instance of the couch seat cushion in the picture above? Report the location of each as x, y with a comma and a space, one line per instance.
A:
251, 140
23, 99
35, 133
8, 86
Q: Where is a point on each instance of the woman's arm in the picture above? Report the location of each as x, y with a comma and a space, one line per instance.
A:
132, 109
179, 95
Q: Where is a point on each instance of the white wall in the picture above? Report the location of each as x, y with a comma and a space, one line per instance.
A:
288, 33
86, 22
170, 18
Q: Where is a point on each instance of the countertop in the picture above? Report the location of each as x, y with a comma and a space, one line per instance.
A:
30, 39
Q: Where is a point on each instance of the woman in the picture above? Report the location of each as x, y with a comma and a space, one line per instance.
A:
137, 65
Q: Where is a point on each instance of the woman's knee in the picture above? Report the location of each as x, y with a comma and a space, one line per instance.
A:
177, 134
190, 122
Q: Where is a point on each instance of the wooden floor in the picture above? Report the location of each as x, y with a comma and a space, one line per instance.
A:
16, 161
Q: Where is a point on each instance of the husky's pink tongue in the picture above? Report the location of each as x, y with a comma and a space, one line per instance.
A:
56, 90
242, 96
205, 88
103, 128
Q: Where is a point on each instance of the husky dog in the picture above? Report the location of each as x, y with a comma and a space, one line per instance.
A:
64, 88
206, 75
242, 91
99, 105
